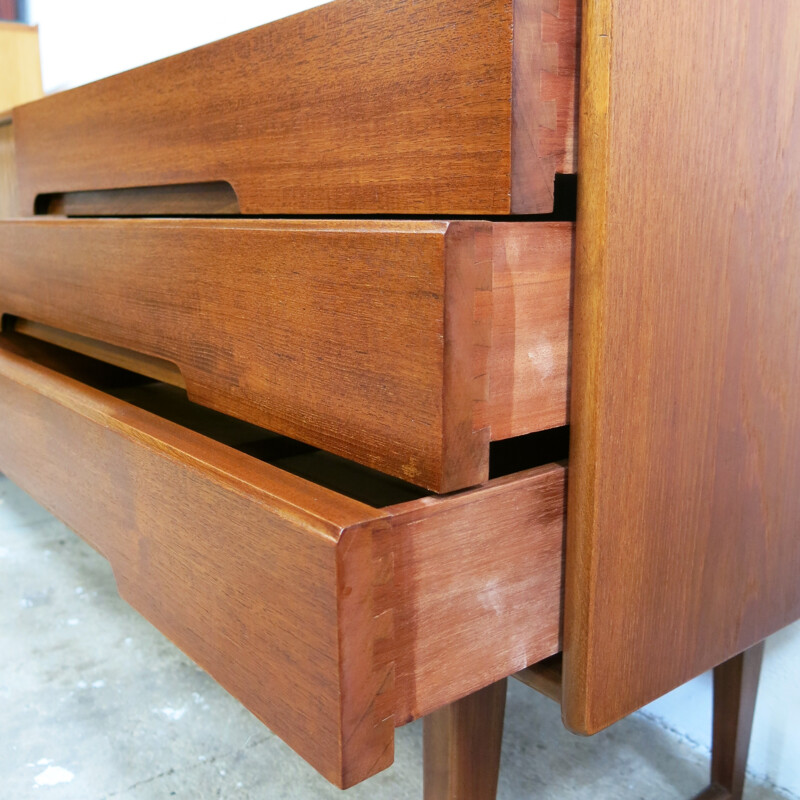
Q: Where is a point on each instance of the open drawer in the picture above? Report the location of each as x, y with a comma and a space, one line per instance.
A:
404, 345
354, 107
333, 619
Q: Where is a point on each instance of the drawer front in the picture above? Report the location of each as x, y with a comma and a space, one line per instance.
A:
355, 107
238, 570
406, 346
332, 620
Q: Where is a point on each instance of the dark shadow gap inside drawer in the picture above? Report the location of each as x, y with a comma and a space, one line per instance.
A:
305, 461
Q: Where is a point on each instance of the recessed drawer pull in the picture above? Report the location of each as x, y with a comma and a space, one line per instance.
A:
208, 199
156, 368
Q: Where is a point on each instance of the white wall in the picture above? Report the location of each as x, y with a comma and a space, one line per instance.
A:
775, 747
88, 39
84, 40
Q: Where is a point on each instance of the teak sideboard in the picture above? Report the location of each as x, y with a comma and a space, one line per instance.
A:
310, 333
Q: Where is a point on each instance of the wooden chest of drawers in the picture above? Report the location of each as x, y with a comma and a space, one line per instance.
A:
336, 598
342, 234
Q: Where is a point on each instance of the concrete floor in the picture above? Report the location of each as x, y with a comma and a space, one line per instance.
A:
95, 703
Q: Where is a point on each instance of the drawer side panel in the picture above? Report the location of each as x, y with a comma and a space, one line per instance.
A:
531, 322
545, 111
478, 577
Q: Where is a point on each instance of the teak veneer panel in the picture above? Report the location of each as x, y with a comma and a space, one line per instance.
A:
330, 620
354, 107
403, 345
684, 509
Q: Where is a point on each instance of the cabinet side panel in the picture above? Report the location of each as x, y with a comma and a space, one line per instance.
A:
683, 509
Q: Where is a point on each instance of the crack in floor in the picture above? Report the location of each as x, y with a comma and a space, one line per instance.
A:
189, 767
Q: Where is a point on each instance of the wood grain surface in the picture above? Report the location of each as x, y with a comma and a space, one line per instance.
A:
683, 516
331, 620
195, 532
545, 91
735, 691
354, 107
531, 317
453, 581
403, 345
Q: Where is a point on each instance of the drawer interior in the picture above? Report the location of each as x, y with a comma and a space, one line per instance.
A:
325, 469
341, 475
338, 474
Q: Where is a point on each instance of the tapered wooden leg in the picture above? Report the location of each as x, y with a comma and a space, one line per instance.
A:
735, 688
462, 744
